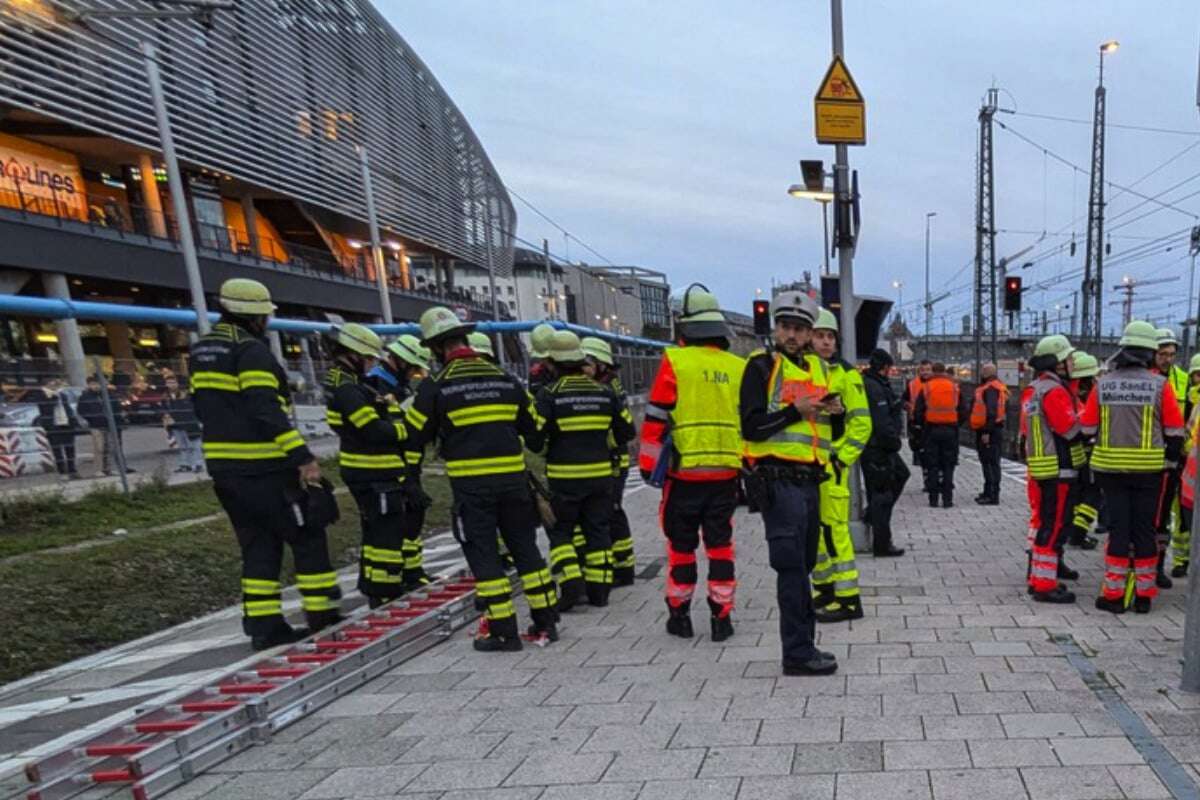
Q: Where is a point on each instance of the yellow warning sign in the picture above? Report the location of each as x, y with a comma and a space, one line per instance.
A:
840, 112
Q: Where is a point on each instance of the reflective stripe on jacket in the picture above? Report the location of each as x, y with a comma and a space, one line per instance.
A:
808, 440
1128, 413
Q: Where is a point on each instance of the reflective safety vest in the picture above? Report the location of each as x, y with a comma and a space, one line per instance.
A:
706, 430
1042, 446
979, 407
1130, 436
942, 397
807, 440
1179, 384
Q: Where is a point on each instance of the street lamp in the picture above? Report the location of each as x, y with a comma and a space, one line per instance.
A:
186, 9
899, 287
824, 198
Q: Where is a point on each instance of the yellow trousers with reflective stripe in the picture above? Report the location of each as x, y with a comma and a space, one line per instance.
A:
836, 571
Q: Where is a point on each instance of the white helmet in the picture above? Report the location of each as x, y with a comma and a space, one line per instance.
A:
795, 305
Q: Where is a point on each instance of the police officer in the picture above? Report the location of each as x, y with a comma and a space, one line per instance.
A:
1083, 369
1167, 518
936, 417
480, 415
371, 458
601, 366
1054, 455
403, 362
583, 420
835, 576
785, 409
692, 420
987, 420
260, 466
1135, 417
884, 471
541, 371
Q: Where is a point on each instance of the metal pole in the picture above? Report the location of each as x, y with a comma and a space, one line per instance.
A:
187, 242
1187, 328
385, 300
928, 305
111, 421
491, 268
1191, 619
549, 280
825, 226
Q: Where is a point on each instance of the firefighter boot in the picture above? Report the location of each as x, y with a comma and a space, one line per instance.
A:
1059, 595
1160, 577
1066, 573
1180, 570
623, 576
841, 610
597, 594
498, 636
1111, 606
679, 623
570, 593
1141, 605
722, 622
284, 634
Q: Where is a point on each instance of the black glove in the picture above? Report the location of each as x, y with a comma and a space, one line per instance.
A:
415, 496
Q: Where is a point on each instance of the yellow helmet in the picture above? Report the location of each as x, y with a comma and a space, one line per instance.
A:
1083, 365
564, 348
439, 322
357, 339
1139, 334
1194, 366
701, 317
826, 321
1166, 336
539, 340
597, 348
409, 349
245, 296
481, 343
1055, 345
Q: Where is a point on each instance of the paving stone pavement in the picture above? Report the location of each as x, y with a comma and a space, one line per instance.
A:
951, 687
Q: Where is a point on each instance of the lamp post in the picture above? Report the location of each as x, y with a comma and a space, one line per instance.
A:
1093, 266
824, 198
899, 287
928, 297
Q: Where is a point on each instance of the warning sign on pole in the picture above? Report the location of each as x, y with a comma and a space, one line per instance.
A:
840, 111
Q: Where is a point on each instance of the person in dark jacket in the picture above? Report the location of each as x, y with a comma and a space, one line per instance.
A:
938, 413
987, 420
884, 470
179, 418
57, 418
91, 410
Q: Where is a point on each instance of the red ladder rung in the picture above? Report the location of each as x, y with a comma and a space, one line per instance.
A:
246, 688
282, 672
360, 633
103, 750
426, 604
310, 658
385, 622
165, 726
111, 775
331, 644
407, 613
209, 706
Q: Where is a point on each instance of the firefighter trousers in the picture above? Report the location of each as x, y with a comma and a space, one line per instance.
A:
413, 547
835, 572
1055, 499
1086, 509
483, 506
585, 504
690, 511
1131, 500
381, 512
792, 525
1167, 519
260, 508
622, 535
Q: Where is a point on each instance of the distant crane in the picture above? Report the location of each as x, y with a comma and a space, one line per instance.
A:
1129, 286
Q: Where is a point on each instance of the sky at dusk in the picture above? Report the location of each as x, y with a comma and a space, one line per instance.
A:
665, 134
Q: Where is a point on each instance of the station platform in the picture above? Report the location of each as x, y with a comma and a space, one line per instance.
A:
955, 685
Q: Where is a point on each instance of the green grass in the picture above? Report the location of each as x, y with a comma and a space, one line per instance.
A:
64, 605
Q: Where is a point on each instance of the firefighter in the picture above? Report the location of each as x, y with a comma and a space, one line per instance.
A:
785, 421
911, 392
884, 470
602, 367
987, 420
692, 420
481, 343
1083, 369
1167, 518
835, 575
1054, 454
261, 468
584, 420
371, 458
1135, 417
479, 415
1181, 541
404, 362
936, 417
541, 371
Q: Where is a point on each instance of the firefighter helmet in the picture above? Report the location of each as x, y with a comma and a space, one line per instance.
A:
598, 349
480, 343
1139, 334
826, 321
245, 296
701, 317
439, 322
539, 340
1083, 365
564, 348
1055, 345
408, 348
357, 339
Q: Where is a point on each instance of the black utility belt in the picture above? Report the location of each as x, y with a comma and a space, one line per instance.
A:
796, 473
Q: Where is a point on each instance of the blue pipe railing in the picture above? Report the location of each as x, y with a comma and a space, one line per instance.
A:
54, 308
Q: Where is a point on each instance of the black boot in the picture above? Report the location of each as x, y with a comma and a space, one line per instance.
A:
947, 500
1111, 606
570, 593
680, 622
722, 622
1066, 573
1160, 577
933, 500
542, 634
623, 576
1141, 605
891, 551
597, 594
414, 579
1180, 570
843, 610
1059, 595
497, 637
284, 634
